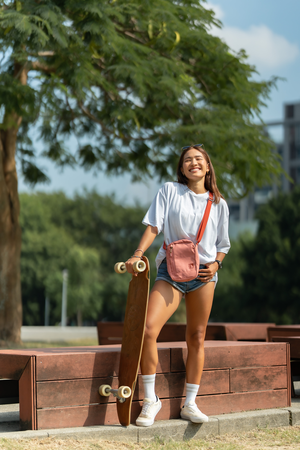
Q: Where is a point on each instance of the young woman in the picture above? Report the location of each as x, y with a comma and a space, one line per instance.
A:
177, 211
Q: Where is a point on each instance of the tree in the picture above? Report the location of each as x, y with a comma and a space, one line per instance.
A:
49, 248
84, 286
87, 235
133, 82
44, 251
228, 299
271, 291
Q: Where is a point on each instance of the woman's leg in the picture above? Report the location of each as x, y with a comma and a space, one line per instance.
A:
163, 302
198, 307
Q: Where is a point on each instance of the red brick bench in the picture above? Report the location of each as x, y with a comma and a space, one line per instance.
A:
282, 331
290, 334
246, 331
111, 332
58, 387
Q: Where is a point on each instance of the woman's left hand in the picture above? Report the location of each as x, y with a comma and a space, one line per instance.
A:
205, 275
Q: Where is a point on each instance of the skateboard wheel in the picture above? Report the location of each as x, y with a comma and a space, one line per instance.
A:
124, 392
104, 390
139, 266
120, 267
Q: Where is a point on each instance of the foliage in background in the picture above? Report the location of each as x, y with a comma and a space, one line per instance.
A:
119, 86
272, 273
85, 235
229, 294
133, 82
259, 281
260, 278
47, 250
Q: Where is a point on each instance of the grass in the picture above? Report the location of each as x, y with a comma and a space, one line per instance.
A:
287, 438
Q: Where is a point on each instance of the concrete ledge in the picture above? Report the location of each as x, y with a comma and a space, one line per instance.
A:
112, 432
246, 421
294, 416
176, 430
294, 412
28, 434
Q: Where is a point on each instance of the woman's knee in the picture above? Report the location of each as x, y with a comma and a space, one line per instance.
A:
151, 332
196, 338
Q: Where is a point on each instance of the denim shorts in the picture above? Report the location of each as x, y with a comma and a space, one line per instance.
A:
183, 286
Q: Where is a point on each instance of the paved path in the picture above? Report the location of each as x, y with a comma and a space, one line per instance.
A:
57, 334
175, 429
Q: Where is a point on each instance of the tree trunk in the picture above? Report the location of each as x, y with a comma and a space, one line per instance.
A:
10, 230
10, 245
79, 317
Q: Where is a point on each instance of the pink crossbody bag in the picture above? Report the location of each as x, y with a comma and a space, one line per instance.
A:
182, 256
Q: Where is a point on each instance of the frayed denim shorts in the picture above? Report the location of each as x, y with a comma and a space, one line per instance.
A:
183, 286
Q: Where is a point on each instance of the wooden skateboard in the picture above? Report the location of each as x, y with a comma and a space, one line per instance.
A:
132, 340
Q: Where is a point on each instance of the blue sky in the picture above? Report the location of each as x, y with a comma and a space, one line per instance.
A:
269, 31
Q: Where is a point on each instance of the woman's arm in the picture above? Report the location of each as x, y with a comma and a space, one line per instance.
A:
145, 242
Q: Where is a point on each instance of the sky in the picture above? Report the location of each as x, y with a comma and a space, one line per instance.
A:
269, 31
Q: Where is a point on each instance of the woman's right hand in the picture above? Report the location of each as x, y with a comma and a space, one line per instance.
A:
147, 239
129, 265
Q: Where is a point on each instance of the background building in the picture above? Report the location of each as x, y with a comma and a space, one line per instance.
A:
286, 135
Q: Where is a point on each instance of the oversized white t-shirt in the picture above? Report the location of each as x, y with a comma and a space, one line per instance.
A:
177, 212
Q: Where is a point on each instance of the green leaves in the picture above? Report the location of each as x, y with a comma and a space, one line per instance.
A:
86, 235
33, 174
47, 250
271, 275
133, 82
33, 24
17, 98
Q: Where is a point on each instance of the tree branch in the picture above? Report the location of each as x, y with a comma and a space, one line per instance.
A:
105, 128
204, 84
37, 65
94, 118
46, 53
132, 36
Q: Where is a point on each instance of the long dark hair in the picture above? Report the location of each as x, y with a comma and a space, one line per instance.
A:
210, 182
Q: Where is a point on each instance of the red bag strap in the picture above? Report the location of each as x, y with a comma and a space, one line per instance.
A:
203, 221
205, 218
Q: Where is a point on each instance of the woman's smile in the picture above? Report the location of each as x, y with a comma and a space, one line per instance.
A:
194, 164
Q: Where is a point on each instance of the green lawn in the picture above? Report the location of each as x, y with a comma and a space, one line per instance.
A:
287, 438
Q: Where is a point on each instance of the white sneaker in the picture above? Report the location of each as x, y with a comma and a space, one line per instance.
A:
148, 413
192, 413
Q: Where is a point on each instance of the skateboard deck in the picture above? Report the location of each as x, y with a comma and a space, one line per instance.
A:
133, 337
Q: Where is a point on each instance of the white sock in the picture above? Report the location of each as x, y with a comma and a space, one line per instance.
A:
149, 386
191, 393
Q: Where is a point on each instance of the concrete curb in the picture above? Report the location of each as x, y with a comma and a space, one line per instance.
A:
177, 430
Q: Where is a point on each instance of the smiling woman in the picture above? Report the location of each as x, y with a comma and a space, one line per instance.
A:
194, 165
194, 168
177, 210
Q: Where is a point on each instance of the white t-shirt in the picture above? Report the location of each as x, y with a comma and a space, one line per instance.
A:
177, 212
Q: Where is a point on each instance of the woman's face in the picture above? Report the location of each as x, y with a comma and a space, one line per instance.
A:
194, 165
